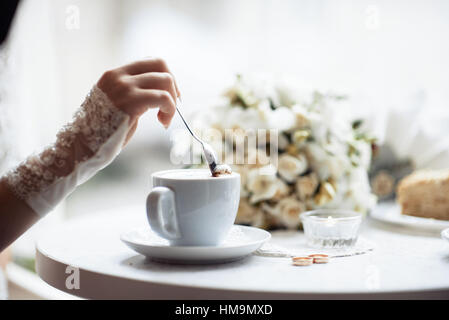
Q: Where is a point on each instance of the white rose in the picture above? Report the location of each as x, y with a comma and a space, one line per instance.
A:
286, 94
288, 211
282, 190
264, 107
306, 186
242, 118
360, 190
302, 116
248, 214
337, 166
290, 167
325, 194
262, 186
282, 119
324, 164
252, 119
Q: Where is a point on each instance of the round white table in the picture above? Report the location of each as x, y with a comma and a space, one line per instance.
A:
86, 258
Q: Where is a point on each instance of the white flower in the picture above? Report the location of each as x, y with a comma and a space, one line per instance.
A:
282, 119
325, 194
313, 134
306, 186
288, 211
282, 190
290, 167
360, 190
287, 94
264, 186
235, 117
302, 116
364, 153
249, 214
326, 164
337, 166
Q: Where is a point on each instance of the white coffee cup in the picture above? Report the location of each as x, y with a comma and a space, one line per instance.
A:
192, 208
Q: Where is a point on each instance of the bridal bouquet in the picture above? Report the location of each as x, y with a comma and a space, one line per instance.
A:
321, 157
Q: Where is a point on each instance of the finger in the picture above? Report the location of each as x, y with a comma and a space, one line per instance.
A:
178, 92
149, 65
164, 118
145, 66
143, 99
156, 80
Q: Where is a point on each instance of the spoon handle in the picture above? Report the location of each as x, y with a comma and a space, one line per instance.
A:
209, 153
185, 122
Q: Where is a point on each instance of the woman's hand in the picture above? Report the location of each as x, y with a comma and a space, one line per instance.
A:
139, 86
93, 138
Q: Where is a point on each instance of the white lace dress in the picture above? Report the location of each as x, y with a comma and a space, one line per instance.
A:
84, 146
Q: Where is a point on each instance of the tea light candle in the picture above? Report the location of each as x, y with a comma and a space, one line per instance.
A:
328, 228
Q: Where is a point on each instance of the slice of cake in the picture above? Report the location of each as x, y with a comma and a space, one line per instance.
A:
425, 194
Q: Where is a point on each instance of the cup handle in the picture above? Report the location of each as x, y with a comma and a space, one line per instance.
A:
161, 213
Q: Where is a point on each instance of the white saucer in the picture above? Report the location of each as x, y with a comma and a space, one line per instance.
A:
240, 242
390, 212
445, 234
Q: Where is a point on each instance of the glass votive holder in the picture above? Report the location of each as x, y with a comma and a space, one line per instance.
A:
331, 228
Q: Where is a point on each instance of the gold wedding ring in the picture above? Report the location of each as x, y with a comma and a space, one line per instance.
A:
311, 259
302, 261
319, 258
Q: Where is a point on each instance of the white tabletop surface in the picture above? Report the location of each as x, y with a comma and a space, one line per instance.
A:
403, 265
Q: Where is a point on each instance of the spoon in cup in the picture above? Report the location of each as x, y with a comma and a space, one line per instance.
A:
209, 153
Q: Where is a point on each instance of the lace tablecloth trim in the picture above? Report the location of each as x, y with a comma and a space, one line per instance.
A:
276, 251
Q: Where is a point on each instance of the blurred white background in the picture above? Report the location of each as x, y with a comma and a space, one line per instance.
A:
387, 55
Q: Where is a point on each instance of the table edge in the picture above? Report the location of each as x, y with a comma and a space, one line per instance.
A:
107, 286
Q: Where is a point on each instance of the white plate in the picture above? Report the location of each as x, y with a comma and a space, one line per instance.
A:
390, 212
445, 234
240, 242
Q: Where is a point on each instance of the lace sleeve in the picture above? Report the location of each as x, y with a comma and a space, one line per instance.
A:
83, 147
